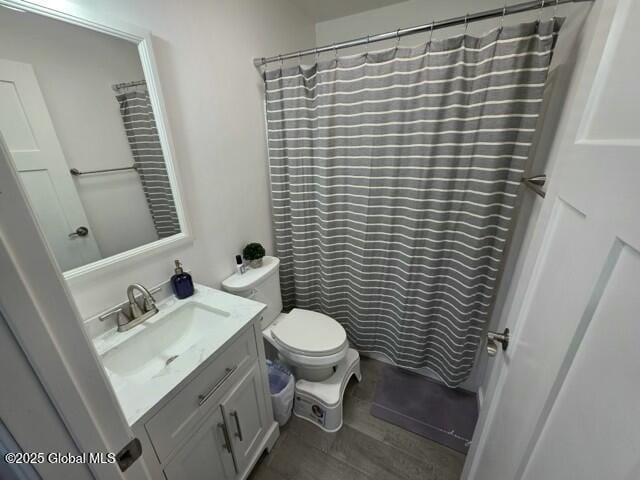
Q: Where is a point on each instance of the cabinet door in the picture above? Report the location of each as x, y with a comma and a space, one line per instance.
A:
206, 455
245, 416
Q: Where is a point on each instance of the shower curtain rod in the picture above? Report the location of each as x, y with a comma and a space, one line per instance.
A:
427, 27
120, 86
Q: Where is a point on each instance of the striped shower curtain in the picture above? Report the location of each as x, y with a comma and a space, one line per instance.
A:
394, 177
142, 134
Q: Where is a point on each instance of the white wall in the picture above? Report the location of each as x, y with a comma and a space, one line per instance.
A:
75, 68
415, 12
213, 95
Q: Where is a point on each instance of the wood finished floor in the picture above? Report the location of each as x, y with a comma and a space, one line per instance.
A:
365, 447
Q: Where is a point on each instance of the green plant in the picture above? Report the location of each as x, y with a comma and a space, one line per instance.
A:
253, 251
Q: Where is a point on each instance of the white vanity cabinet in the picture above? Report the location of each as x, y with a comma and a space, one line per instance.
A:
245, 417
205, 455
219, 422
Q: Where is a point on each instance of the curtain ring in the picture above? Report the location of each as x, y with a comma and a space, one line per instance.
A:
433, 22
317, 55
540, 11
281, 61
366, 53
466, 22
504, 13
555, 9
335, 52
397, 38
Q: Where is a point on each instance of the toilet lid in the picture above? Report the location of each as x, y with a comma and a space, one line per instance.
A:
309, 333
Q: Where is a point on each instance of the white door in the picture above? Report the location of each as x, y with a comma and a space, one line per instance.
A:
207, 455
565, 404
38, 309
28, 130
29, 418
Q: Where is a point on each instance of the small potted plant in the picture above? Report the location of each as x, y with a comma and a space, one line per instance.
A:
253, 253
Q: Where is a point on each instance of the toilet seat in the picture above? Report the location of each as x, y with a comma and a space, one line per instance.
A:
310, 343
303, 342
309, 334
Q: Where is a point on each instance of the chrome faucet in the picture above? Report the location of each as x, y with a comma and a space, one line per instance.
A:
137, 313
148, 302
133, 314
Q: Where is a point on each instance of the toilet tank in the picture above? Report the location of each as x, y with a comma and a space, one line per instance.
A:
261, 284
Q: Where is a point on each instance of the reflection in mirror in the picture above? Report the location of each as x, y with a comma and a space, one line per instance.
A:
76, 115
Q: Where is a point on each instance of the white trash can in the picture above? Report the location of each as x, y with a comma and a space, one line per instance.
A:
282, 387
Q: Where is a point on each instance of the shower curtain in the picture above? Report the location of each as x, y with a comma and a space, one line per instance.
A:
394, 177
142, 134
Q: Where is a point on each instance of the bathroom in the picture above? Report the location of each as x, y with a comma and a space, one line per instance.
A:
137, 134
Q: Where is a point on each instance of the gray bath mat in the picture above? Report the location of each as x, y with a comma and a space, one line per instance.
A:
426, 407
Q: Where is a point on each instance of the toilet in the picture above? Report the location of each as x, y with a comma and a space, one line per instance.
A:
313, 345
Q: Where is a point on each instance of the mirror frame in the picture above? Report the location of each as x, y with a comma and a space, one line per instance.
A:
76, 15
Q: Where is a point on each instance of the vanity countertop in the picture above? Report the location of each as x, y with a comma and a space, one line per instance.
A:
134, 361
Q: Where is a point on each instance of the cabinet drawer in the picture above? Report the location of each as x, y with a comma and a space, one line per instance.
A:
177, 419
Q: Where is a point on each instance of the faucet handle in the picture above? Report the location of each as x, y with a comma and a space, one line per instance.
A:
149, 303
121, 317
136, 311
110, 313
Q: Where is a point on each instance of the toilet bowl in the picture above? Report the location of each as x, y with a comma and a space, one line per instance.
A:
311, 343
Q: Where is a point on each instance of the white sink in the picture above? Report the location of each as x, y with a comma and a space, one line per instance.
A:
157, 344
146, 363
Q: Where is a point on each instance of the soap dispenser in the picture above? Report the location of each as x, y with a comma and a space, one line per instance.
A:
181, 282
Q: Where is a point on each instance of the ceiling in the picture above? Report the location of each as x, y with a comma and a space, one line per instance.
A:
321, 10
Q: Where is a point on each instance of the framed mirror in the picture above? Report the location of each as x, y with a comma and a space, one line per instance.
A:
82, 114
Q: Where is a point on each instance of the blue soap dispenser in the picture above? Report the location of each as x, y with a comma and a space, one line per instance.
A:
181, 282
